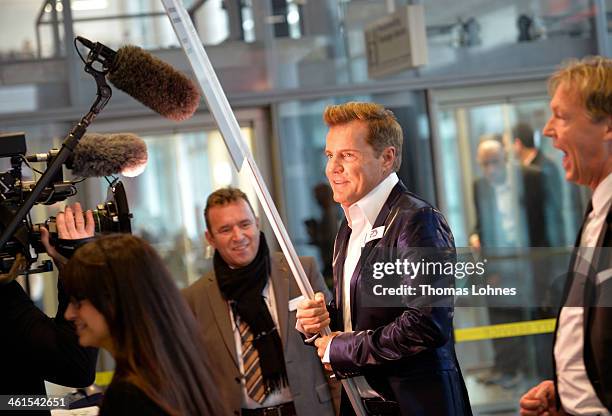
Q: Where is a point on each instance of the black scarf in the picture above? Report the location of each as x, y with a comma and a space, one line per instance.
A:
242, 288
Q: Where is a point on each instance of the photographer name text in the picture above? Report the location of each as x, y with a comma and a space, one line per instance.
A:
428, 290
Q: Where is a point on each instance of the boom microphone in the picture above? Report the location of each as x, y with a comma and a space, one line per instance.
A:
103, 155
148, 79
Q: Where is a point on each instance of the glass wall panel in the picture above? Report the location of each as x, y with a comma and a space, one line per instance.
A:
462, 128
463, 38
484, 37
262, 45
18, 39
168, 199
148, 32
34, 28
145, 23
492, 191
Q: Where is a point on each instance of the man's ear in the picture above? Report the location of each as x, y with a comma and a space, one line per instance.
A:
389, 154
608, 132
210, 239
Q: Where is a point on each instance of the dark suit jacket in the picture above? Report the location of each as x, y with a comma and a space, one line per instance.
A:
308, 386
597, 317
552, 200
532, 189
406, 354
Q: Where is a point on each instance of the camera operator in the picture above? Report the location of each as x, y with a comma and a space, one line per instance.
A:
35, 347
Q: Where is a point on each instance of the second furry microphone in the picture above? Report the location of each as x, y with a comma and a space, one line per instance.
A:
109, 154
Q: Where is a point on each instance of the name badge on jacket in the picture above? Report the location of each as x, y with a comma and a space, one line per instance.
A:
375, 234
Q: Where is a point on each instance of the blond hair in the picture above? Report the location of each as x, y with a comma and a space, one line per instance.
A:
383, 129
591, 77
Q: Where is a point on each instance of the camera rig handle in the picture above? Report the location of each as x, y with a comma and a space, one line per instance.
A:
103, 95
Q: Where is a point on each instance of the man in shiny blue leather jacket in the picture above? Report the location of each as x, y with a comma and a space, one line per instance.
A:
401, 358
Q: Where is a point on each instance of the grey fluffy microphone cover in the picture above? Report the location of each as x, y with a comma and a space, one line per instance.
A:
108, 154
154, 83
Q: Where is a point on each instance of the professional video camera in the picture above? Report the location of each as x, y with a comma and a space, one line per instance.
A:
110, 216
142, 76
17, 233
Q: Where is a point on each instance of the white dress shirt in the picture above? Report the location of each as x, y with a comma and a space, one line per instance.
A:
574, 387
361, 217
275, 397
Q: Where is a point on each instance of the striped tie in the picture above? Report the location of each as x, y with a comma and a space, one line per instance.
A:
250, 361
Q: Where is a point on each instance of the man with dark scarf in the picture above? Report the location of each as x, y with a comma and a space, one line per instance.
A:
246, 306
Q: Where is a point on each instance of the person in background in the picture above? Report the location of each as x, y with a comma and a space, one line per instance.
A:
528, 154
323, 232
509, 218
550, 262
507, 213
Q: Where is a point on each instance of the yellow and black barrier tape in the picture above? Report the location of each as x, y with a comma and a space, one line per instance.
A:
513, 329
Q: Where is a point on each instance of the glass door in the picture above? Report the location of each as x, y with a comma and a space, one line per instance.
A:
485, 184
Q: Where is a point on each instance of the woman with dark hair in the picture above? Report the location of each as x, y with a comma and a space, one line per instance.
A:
124, 300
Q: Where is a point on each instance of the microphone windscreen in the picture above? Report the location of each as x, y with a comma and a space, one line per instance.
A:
154, 83
109, 154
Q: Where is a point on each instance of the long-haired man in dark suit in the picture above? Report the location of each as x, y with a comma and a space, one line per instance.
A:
581, 127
